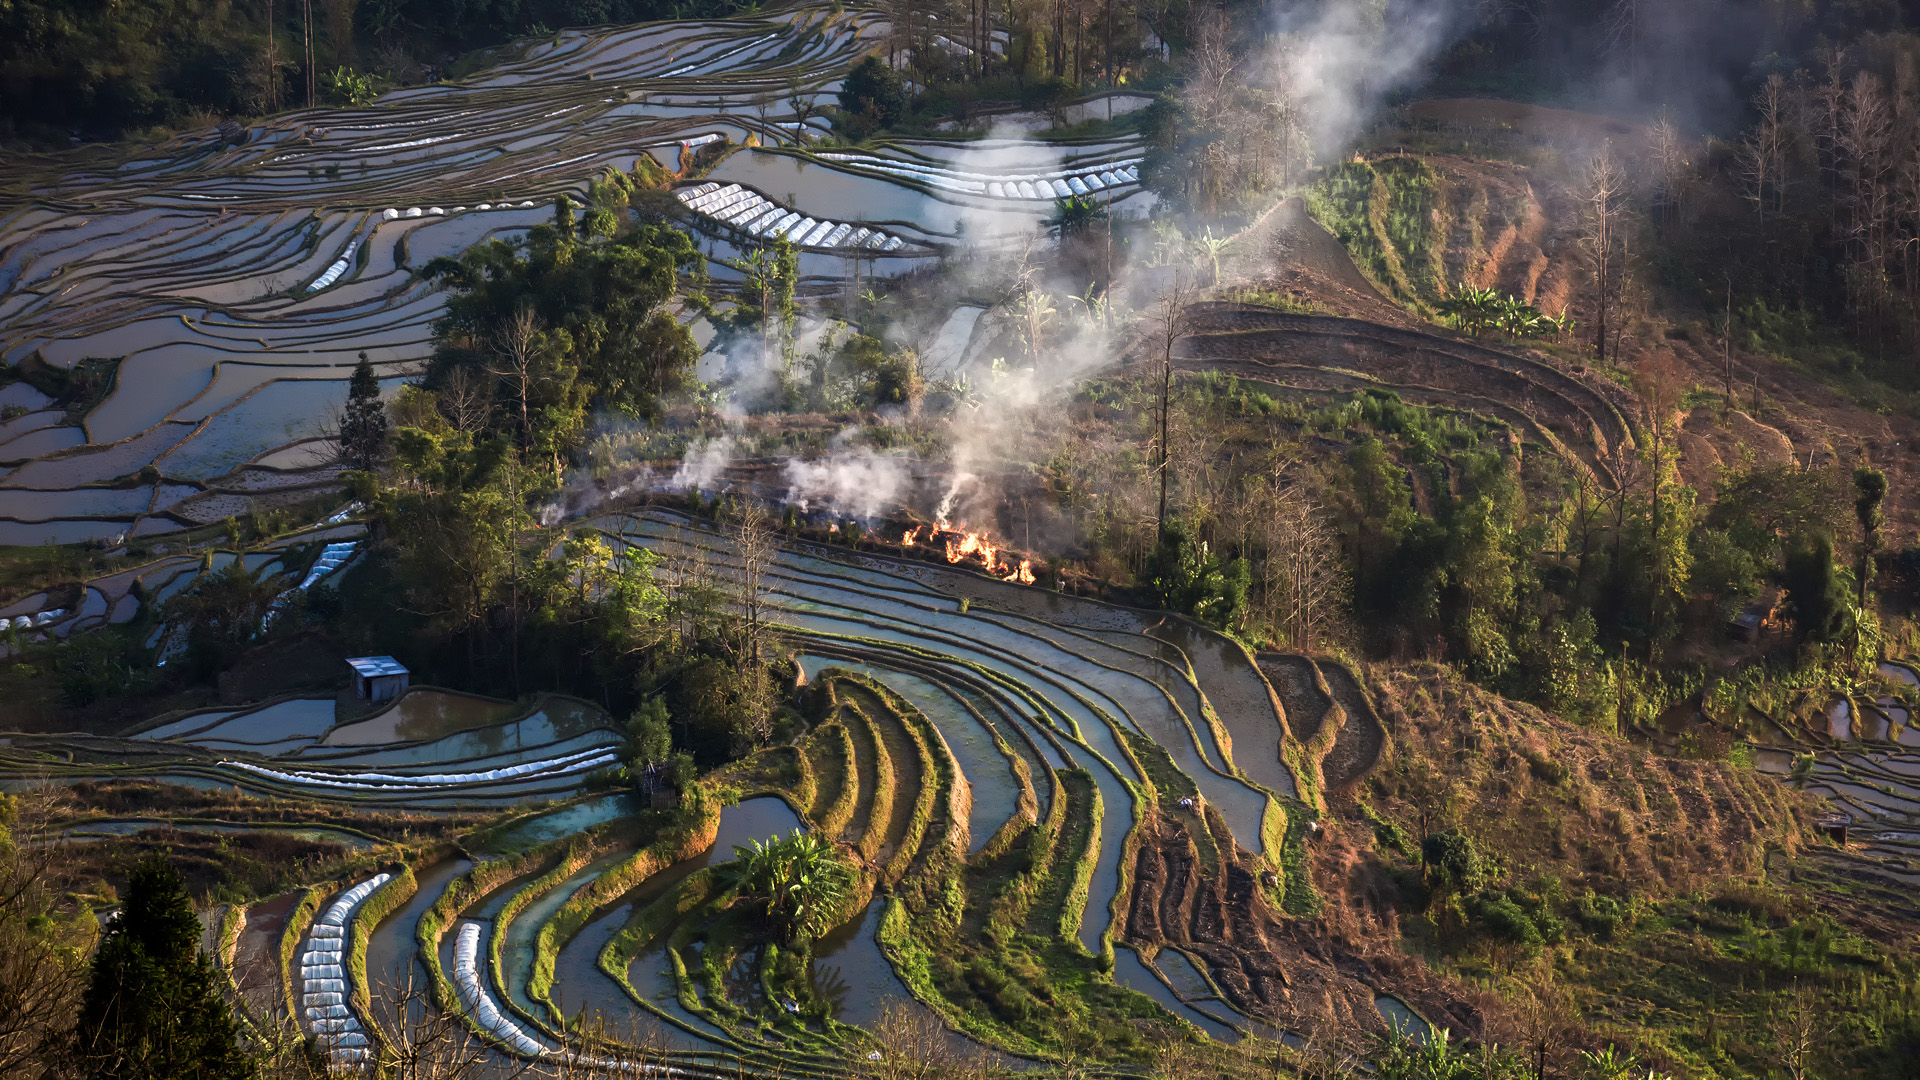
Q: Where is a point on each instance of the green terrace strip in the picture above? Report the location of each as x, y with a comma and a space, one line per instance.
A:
649, 923
292, 933
476, 883
384, 902
834, 745
575, 858
697, 824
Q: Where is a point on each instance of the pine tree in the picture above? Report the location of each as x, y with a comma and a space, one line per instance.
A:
363, 430
153, 1010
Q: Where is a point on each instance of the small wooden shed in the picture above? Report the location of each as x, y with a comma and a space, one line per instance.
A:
377, 678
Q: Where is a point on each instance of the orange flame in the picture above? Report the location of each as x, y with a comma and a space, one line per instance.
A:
913, 535
974, 544
1022, 573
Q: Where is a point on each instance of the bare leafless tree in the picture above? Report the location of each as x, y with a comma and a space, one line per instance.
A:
1170, 319
1304, 580
1623, 35
419, 1038
1799, 1028
515, 363
1667, 152
41, 978
754, 544
466, 399
915, 1045
1865, 152
1761, 157
1603, 194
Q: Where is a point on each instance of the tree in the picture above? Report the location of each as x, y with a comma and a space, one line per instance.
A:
1667, 152
1816, 598
1304, 584
1603, 204
1453, 864
873, 94
596, 335
220, 615
651, 731
1761, 157
1188, 576
363, 428
153, 1009
349, 88
1869, 491
1075, 216
800, 100
769, 274
1171, 320
452, 522
1209, 247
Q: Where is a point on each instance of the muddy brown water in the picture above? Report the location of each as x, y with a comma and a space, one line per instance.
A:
1357, 746
421, 715
256, 957
1130, 971
1292, 678
1242, 700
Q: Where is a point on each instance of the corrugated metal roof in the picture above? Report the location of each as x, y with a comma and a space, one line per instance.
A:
372, 666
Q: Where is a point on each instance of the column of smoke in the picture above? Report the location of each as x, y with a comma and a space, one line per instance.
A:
1007, 260
1340, 59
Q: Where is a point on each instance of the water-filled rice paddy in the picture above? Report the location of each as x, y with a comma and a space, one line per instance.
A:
236, 283
993, 706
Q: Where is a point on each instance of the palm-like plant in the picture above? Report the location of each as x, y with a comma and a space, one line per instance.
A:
1478, 310
798, 883
1402, 1057
1471, 309
1517, 318
1611, 1064
1208, 246
1076, 214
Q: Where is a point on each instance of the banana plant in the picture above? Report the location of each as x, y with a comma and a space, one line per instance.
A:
1208, 246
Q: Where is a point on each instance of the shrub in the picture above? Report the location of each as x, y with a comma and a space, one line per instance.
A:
1505, 918
1601, 915
1454, 863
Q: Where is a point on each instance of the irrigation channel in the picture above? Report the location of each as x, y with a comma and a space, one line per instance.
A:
229, 279
955, 718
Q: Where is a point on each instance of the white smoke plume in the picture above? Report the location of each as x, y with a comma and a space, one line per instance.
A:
943, 515
1341, 57
702, 465
851, 481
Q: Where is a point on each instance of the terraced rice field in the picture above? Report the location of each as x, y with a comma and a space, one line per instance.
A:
962, 729
1322, 354
235, 280
1863, 756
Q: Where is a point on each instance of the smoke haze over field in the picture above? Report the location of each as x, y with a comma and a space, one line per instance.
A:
703, 464
853, 480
